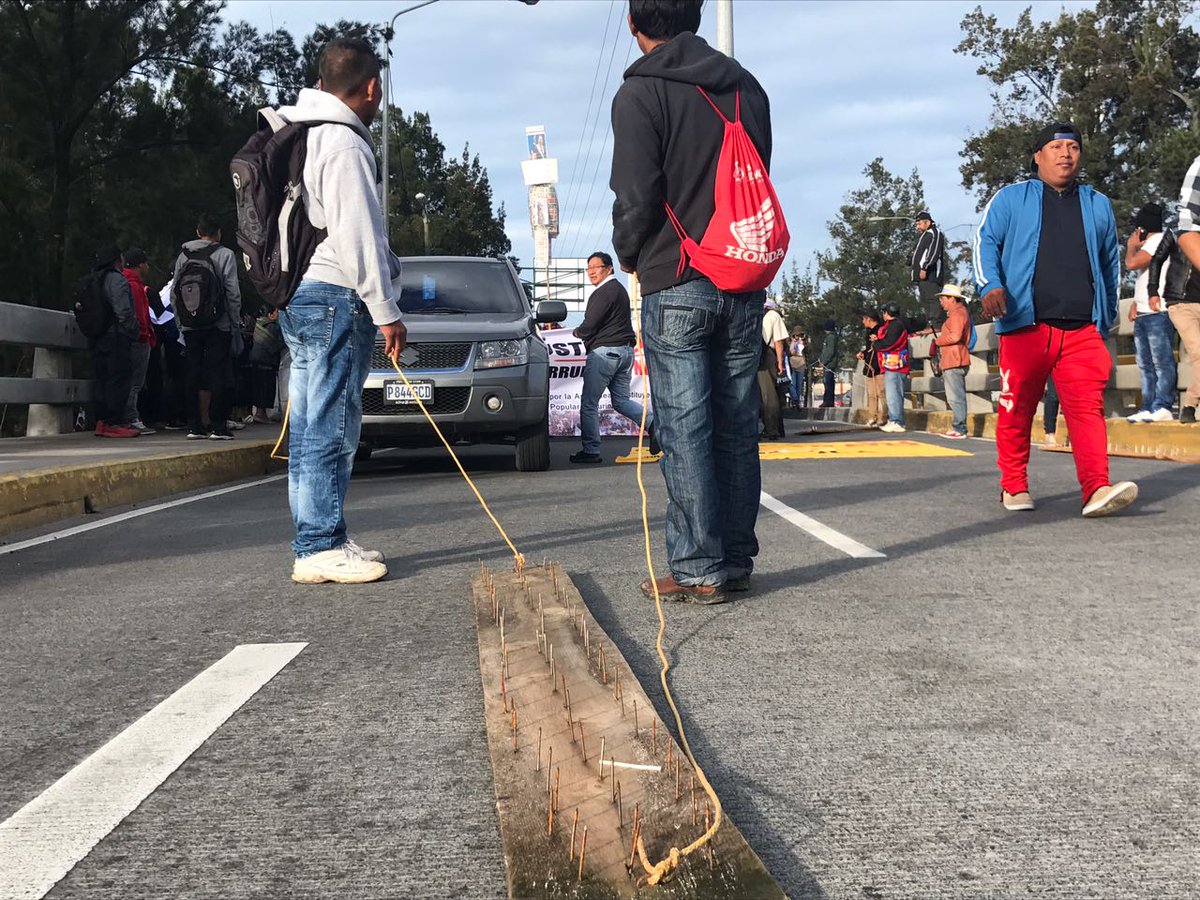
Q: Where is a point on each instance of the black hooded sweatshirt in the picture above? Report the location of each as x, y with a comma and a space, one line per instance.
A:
666, 141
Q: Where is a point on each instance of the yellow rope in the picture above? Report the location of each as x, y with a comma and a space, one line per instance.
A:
287, 416
656, 872
518, 558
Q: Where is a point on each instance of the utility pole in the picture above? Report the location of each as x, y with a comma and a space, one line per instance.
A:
725, 27
423, 200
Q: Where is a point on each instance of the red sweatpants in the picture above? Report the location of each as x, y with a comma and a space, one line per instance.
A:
1080, 364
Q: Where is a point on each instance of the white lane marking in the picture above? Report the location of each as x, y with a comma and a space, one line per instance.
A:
42, 841
820, 531
132, 514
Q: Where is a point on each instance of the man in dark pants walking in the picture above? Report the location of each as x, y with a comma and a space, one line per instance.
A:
111, 352
703, 344
607, 332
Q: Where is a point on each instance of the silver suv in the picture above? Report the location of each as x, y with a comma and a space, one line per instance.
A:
473, 357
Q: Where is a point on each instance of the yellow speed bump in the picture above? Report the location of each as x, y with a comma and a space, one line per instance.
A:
855, 450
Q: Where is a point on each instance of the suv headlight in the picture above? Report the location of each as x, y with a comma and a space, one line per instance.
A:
496, 354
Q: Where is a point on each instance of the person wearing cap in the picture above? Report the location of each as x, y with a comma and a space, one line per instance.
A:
954, 356
1047, 264
797, 367
927, 258
137, 269
1153, 334
895, 363
771, 367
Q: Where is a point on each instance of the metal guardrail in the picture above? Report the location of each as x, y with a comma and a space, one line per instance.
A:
50, 391
983, 378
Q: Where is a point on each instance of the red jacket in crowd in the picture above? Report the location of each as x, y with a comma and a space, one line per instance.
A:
141, 307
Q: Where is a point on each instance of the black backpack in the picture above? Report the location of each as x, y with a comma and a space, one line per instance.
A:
93, 313
198, 294
274, 233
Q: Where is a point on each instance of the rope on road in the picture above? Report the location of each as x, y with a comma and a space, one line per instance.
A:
518, 557
656, 872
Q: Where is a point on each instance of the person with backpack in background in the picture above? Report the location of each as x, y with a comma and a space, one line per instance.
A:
208, 306
137, 268
895, 363
954, 357
266, 349
872, 321
105, 313
691, 150
349, 292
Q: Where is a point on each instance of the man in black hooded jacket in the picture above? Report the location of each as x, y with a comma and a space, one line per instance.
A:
702, 344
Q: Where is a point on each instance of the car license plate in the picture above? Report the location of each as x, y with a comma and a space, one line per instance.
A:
398, 392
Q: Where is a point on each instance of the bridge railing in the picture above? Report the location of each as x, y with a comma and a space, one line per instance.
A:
983, 377
51, 392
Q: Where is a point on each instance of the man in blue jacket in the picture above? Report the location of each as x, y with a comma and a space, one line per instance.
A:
1047, 264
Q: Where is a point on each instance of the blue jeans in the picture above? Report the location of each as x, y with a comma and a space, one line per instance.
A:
797, 387
955, 382
893, 387
607, 368
330, 335
1153, 336
702, 351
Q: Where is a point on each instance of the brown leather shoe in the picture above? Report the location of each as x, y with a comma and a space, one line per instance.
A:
670, 589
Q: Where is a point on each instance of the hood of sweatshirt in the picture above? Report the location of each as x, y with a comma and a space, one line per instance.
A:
321, 106
690, 60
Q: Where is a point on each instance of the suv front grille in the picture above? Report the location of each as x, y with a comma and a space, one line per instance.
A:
428, 356
445, 400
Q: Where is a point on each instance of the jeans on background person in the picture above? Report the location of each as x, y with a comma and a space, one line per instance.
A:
607, 368
702, 352
113, 371
893, 386
1050, 407
796, 387
955, 381
139, 363
330, 335
1153, 343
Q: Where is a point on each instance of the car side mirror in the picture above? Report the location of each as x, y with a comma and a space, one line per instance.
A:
551, 312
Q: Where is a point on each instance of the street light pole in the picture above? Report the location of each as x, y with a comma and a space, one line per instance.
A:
423, 200
384, 80
725, 27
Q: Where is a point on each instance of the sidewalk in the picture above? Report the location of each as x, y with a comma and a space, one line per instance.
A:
49, 478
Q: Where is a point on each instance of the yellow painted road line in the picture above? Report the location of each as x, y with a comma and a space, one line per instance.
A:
855, 450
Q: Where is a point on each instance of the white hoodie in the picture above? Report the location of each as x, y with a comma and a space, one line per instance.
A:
342, 196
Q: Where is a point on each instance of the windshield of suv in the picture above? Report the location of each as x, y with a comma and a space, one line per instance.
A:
447, 287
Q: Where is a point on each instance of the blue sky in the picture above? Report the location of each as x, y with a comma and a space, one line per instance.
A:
848, 81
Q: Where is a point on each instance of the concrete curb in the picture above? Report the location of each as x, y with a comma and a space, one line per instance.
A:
1154, 440
38, 496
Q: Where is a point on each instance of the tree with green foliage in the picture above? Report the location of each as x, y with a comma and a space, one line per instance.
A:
1126, 73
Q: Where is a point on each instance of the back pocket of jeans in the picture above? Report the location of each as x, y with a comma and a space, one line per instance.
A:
311, 326
683, 326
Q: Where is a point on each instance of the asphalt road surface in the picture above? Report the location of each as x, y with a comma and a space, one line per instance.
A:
1002, 705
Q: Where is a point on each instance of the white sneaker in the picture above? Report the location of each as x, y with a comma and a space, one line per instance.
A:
1142, 415
892, 428
141, 427
234, 425
871, 423
1109, 499
1051, 440
1159, 415
368, 555
341, 564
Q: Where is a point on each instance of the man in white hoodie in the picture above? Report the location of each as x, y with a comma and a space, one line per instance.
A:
349, 290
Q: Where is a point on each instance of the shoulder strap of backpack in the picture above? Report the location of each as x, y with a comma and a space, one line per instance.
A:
204, 253
737, 108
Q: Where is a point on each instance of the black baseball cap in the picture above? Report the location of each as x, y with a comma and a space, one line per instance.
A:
1056, 131
924, 215
135, 256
